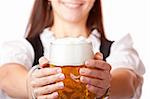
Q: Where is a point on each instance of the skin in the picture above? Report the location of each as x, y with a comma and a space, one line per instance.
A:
9, 74
68, 23
97, 80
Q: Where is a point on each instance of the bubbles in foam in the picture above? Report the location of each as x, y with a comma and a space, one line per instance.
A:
70, 51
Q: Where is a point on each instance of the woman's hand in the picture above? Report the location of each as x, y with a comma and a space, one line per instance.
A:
96, 75
46, 81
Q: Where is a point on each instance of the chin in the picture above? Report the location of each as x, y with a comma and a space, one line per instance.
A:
73, 18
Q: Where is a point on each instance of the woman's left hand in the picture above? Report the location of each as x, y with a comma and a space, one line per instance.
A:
96, 75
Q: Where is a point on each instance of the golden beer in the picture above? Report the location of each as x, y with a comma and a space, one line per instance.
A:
71, 57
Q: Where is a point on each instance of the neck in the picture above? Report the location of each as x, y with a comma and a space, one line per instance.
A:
69, 29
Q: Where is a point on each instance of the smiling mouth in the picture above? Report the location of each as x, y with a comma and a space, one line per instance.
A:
72, 5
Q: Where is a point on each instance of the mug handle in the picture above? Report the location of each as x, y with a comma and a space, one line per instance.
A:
30, 91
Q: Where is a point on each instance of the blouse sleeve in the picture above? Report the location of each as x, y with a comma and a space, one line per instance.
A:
123, 55
19, 51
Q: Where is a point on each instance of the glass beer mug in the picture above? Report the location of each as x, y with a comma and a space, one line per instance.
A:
70, 54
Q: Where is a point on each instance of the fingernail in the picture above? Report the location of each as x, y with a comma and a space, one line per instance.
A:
55, 94
43, 61
61, 85
99, 57
61, 76
59, 70
82, 79
87, 62
82, 71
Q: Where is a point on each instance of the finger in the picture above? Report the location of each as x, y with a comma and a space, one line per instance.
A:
53, 95
46, 72
48, 89
100, 64
95, 82
98, 56
99, 74
97, 91
38, 82
43, 62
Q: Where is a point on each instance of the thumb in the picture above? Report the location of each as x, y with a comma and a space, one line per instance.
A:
43, 62
98, 56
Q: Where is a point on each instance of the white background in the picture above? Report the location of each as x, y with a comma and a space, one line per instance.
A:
120, 17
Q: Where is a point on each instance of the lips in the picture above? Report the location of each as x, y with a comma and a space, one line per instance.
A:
72, 5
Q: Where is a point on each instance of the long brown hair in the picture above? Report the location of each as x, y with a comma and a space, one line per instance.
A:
42, 17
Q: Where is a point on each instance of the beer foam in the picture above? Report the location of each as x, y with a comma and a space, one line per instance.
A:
71, 40
70, 51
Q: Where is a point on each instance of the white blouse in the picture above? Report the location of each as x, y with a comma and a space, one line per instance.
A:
122, 53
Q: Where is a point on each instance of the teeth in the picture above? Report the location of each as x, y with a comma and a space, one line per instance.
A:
72, 5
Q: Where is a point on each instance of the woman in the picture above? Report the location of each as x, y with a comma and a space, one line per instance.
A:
54, 19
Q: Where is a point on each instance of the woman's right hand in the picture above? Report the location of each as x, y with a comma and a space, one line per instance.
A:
46, 81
